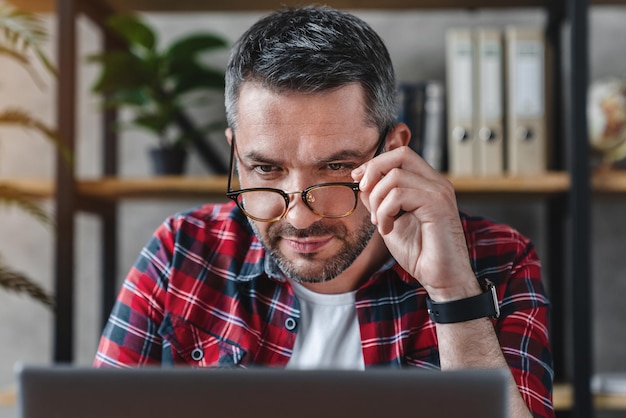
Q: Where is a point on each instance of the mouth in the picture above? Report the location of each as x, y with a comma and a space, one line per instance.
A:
308, 245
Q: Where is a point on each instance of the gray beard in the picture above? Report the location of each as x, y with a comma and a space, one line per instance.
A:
353, 246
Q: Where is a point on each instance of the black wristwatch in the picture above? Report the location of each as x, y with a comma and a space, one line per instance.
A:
480, 306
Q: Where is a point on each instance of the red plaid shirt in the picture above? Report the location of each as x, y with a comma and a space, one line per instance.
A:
199, 294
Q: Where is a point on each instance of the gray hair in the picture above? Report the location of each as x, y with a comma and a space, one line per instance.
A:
313, 49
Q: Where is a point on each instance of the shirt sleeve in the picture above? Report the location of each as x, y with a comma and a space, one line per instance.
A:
130, 337
510, 260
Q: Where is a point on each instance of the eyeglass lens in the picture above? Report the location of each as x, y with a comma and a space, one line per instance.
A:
325, 200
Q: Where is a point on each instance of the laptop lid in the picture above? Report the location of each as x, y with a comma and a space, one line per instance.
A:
81, 392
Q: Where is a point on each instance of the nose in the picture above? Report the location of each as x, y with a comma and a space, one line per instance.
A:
298, 213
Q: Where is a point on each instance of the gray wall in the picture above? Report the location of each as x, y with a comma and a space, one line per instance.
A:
416, 43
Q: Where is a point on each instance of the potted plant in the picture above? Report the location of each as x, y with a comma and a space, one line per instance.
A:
21, 36
156, 85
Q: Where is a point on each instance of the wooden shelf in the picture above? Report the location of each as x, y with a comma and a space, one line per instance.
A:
48, 6
214, 187
563, 399
162, 187
609, 181
31, 188
266, 5
545, 184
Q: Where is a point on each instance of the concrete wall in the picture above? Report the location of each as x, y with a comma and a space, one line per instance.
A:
416, 43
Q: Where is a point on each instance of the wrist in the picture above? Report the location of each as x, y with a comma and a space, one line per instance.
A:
449, 294
482, 305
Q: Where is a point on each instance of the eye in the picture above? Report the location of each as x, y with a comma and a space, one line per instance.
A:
340, 166
264, 168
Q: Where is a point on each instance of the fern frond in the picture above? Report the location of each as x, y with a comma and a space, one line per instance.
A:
11, 196
19, 283
24, 62
18, 117
24, 32
17, 56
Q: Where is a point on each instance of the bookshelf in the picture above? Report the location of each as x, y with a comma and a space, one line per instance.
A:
603, 183
560, 189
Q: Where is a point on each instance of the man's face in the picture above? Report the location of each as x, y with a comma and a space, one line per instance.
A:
291, 141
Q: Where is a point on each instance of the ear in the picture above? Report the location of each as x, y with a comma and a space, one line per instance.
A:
399, 136
229, 135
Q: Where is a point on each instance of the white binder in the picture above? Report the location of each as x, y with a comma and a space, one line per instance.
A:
489, 102
526, 140
434, 125
459, 79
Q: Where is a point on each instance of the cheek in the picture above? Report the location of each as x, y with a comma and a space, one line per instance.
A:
260, 228
358, 219
360, 210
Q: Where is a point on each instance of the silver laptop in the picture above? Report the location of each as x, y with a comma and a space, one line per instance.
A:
81, 392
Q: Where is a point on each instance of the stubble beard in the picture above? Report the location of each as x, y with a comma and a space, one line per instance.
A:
307, 268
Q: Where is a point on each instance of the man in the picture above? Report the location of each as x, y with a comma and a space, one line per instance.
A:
342, 248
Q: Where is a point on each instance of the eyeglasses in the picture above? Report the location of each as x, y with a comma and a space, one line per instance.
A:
327, 200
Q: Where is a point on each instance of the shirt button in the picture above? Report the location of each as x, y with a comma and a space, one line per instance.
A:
197, 354
290, 324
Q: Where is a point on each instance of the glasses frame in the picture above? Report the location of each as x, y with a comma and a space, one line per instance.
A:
234, 194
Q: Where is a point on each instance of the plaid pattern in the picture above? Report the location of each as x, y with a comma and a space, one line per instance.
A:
199, 295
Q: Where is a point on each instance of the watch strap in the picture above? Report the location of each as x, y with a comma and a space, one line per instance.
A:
461, 310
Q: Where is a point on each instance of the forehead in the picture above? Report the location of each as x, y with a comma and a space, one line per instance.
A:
302, 122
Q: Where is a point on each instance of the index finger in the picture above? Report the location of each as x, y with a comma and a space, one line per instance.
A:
370, 172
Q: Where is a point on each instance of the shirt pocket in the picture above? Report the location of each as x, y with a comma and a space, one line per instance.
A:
197, 347
425, 358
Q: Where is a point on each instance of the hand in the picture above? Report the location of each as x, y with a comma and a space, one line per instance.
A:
415, 210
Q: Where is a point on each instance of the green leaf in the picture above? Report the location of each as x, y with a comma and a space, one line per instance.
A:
134, 31
121, 70
155, 123
151, 82
199, 78
190, 46
130, 97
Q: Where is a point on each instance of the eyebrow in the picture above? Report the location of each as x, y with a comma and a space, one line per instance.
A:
338, 156
258, 157
344, 155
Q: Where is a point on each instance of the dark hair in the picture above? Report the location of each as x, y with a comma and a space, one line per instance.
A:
313, 49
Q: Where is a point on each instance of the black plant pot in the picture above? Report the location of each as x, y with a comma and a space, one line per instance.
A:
168, 160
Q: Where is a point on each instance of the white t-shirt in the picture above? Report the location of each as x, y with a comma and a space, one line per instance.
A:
328, 335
